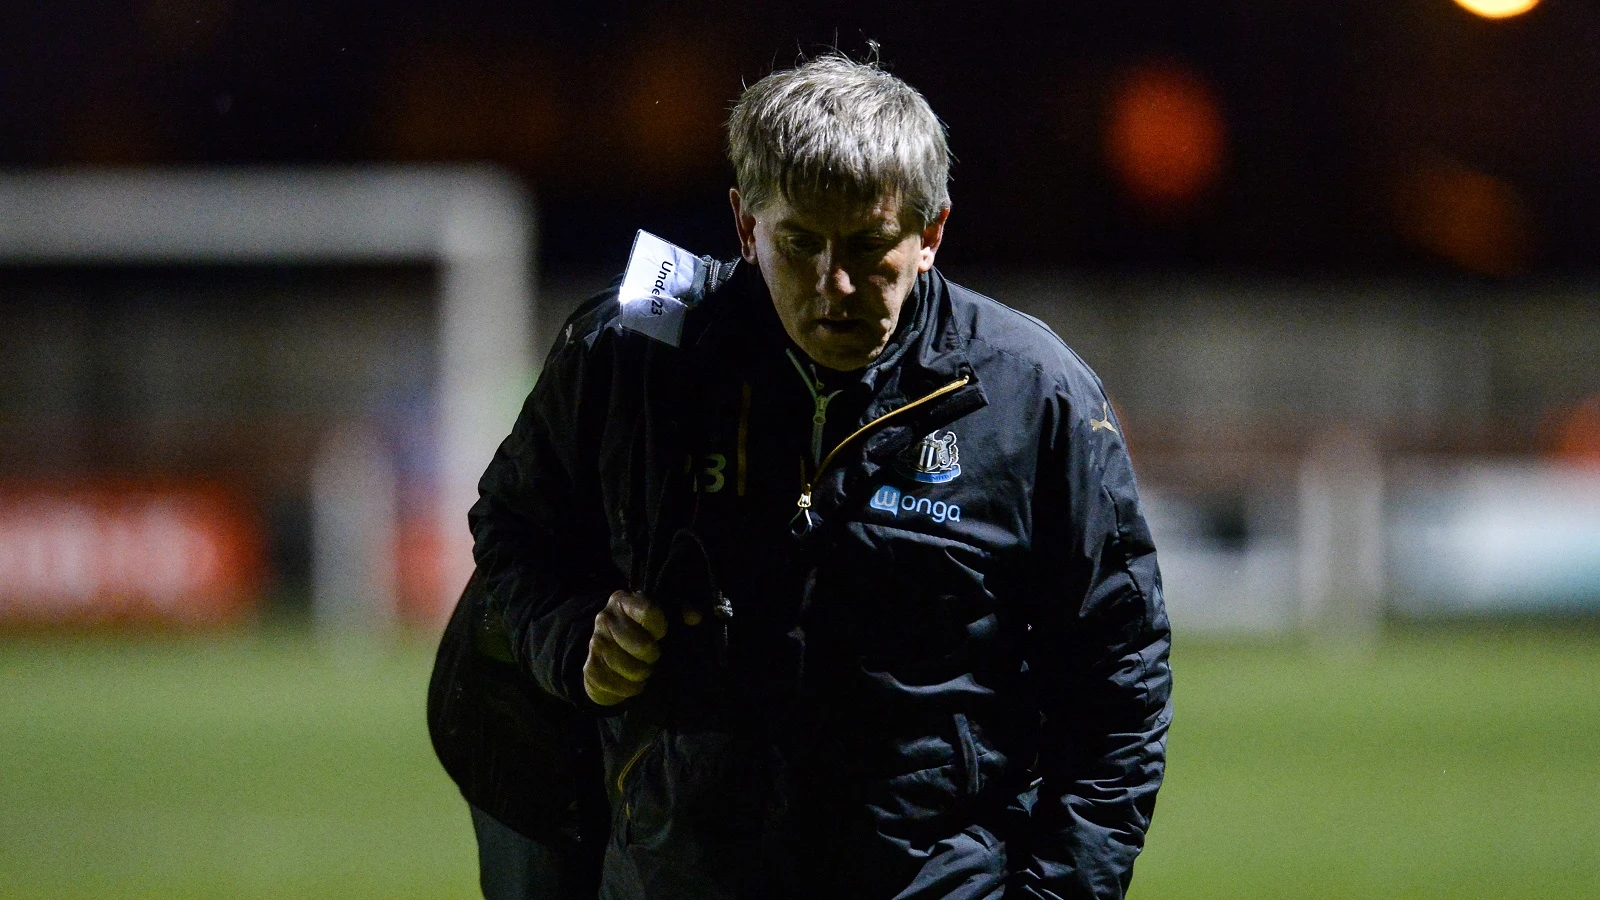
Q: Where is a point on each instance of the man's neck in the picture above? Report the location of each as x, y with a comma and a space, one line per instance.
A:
834, 379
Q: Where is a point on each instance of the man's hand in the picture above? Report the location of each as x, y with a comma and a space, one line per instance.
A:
624, 648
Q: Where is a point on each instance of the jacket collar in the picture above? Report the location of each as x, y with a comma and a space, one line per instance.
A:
936, 354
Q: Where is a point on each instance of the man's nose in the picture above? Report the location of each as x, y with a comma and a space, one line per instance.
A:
833, 279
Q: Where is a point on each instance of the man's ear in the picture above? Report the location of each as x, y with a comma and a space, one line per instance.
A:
744, 222
931, 238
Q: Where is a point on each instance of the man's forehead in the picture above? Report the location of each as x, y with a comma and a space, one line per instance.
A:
839, 215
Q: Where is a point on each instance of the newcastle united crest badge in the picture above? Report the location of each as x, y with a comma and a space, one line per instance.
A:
932, 460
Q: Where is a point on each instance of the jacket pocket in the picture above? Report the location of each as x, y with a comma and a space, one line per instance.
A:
932, 783
685, 798
628, 755
627, 769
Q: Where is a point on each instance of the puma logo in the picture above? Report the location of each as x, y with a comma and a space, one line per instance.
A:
1104, 422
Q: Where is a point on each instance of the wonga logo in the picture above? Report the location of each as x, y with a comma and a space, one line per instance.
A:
891, 501
887, 499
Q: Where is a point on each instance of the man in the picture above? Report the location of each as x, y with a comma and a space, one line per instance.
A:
845, 560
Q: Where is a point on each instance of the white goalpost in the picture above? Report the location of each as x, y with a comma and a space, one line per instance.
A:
473, 224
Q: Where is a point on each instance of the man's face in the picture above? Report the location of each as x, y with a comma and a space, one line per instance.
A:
839, 274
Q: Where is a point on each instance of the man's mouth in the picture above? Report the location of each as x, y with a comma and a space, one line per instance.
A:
838, 326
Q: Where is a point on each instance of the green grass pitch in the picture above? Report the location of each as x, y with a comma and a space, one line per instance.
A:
1447, 765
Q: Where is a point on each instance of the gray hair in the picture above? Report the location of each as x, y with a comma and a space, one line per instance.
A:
837, 129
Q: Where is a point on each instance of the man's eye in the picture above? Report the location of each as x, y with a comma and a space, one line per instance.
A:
802, 246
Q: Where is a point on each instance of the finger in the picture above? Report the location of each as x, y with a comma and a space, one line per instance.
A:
644, 612
599, 694
619, 660
601, 681
692, 617
628, 634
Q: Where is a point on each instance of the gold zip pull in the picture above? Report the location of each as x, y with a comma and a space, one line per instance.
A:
804, 502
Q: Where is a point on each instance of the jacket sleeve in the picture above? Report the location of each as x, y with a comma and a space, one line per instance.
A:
1098, 652
540, 537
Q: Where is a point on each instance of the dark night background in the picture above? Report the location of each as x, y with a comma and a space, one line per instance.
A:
1336, 263
1356, 136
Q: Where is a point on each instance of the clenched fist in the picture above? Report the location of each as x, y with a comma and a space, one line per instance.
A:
624, 648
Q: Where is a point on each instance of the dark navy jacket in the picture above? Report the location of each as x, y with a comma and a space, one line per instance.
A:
935, 668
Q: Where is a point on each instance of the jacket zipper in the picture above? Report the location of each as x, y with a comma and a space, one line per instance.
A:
819, 402
806, 484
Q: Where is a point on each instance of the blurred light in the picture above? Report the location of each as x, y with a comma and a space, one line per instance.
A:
1497, 9
1577, 434
1165, 136
1475, 220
